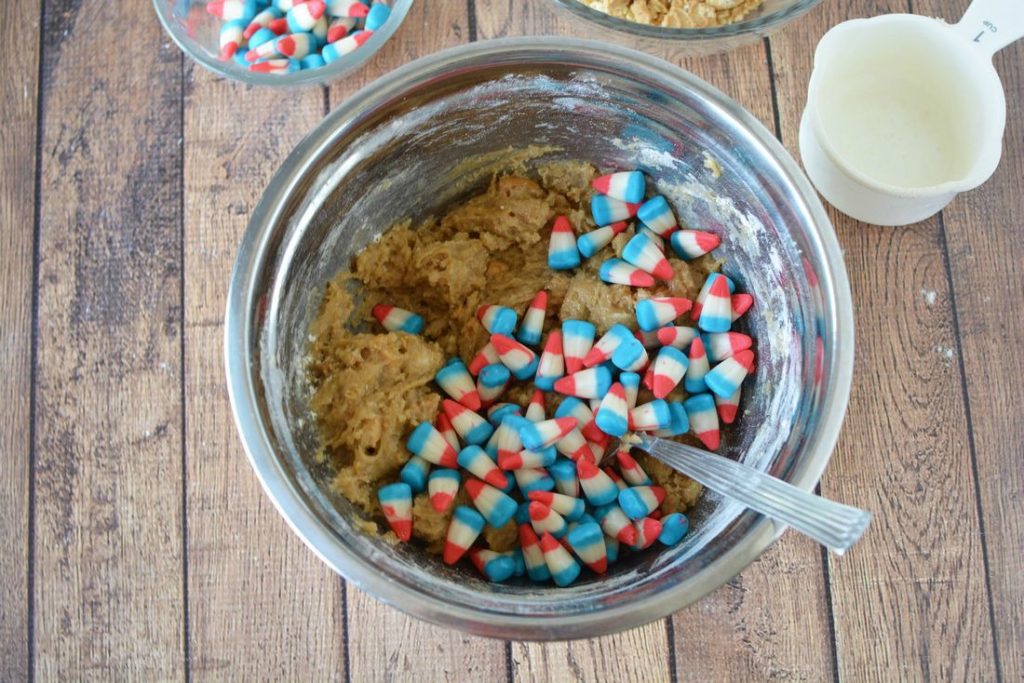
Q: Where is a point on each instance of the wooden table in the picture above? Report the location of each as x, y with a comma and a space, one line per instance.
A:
140, 545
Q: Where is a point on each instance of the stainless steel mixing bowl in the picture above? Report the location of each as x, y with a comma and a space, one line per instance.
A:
435, 130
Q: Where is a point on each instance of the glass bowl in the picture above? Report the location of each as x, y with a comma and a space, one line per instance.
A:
770, 16
431, 133
197, 33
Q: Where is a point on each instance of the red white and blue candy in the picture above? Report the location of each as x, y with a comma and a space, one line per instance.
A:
463, 529
602, 351
551, 365
395, 319
657, 312
562, 251
657, 215
605, 210
497, 319
396, 504
615, 271
587, 541
455, 380
625, 186
532, 328
691, 244
594, 241
442, 487
648, 257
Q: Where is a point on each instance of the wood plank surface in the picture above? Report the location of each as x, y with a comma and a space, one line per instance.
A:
261, 605
108, 552
910, 599
19, 31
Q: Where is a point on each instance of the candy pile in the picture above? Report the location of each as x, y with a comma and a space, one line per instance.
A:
573, 501
285, 36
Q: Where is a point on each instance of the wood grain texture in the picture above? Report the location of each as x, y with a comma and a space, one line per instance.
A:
910, 600
108, 560
19, 31
261, 605
640, 654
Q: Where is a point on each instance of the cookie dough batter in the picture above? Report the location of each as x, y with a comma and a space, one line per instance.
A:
677, 13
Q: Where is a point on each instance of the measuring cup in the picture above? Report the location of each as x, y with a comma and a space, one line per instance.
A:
904, 111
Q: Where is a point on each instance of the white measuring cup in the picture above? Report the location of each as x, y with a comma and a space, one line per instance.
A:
905, 111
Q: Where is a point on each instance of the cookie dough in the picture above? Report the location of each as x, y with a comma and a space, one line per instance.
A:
677, 13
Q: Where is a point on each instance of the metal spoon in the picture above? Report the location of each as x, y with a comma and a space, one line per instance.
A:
832, 524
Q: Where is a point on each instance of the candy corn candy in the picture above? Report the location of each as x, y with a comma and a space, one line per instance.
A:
597, 451
313, 61
275, 66
533, 479
673, 528
494, 566
533, 556
669, 368
612, 547
546, 520
590, 383
455, 380
414, 473
632, 473
626, 186
476, 461
396, 504
444, 427
613, 415
630, 382
614, 476
698, 303
562, 251
615, 271
567, 506
741, 303
343, 46
604, 348
514, 356
232, 36
630, 356
427, 442
660, 311
716, 315
657, 215
676, 337
497, 319
284, 5
296, 45
587, 541
339, 27
698, 368
597, 486
721, 345
378, 15
594, 241
537, 435
470, 427
302, 16
551, 365
647, 531
577, 340
496, 507
728, 407
615, 523
263, 19
700, 409
639, 501
605, 210
491, 382
725, 378
574, 446
442, 487
680, 423
691, 244
650, 416
535, 410
563, 471
485, 356
464, 528
396, 319
526, 459
564, 569
647, 256
232, 10
347, 8
497, 412
572, 406
533, 320
507, 438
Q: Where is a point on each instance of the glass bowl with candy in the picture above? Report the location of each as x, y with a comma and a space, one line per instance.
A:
281, 42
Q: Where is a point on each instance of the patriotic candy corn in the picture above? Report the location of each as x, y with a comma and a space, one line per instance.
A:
484, 357
716, 315
626, 186
658, 240
691, 244
564, 570
261, 37
574, 446
673, 528
526, 459
577, 340
650, 416
497, 412
698, 303
517, 557
396, 319
537, 435
276, 66
590, 383
572, 406
741, 303
700, 410
605, 210
533, 320
514, 356
615, 523
494, 566
630, 382
563, 471
302, 16
470, 427
464, 528
645, 255
725, 378
476, 461
343, 46
569, 507
612, 547
232, 10
264, 19
535, 411
378, 15
680, 423
347, 8
721, 345
615, 271
613, 415
533, 556
676, 337
630, 355
551, 365
594, 241
313, 61
546, 520
698, 368
442, 487
491, 383
587, 541
668, 368
232, 36
647, 531
455, 380
639, 501
339, 27
319, 31
496, 507
533, 479
728, 407
632, 473
296, 45
562, 251
597, 486
660, 311
427, 442
414, 473
657, 215
604, 348
444, 427
497, 319
396, 504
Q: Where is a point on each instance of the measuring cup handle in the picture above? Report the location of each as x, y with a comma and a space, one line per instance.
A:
993, 24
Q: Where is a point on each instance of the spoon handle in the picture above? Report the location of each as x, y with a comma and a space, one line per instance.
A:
992, 24
832, 524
